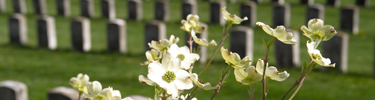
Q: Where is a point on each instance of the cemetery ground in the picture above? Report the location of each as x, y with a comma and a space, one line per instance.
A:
42, 69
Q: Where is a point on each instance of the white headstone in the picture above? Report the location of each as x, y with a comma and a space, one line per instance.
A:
19, 6
288, 55
40, 7
116, 35
242, 41
349, 19
162, 10
13, 90
63, 93
81, 34
154, 30
63, 7
281, 14
108, 9
336, 49
47, 32
135, 9
18, 29
215, 12
87, 8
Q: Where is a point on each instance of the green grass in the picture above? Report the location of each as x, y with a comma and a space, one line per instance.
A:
43, 69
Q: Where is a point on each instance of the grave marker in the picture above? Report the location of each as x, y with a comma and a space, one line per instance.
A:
189, 7
349, 19
215, 12
63, 7
308, 2
108, 9
19, 6
135, 9
13, 90
154, 30
315, 11
337, 49
162, 10
87, 8
40, 7
249, 9
47, 32
281, 14
63, 93
241, 41
3, 6
116, 35
335, 3
18, 29
280, 2
364, 3
288, 55
81, 38
257, 1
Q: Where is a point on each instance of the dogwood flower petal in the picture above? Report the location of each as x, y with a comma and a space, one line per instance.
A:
279, 32
317, 57
232, 18
248, 75
80, 82
145, 80
201, 41
316, 30
163, 44
234, 59
271, 71
169, 76
94, 91
205, 86
183, 53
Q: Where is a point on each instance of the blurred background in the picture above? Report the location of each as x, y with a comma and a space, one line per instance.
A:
42, 69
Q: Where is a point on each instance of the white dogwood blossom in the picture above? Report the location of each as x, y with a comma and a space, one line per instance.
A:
205, 86
279, 32
316, 56
248, 75
80, 82
201, 41
234, 59
317, 31
169, 75
192, 23
163, 44
271, 71
232, 18
183, 53
94, 91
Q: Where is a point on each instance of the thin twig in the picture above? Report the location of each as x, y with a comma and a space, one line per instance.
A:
218, 47
299, 86
299, 81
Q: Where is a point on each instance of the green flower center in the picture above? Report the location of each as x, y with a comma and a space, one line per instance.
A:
169, 76
181, 56
317, 56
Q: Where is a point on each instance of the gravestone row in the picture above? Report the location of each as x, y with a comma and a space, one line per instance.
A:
154, 30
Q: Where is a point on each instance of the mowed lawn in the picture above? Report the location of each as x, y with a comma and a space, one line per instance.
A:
42, 69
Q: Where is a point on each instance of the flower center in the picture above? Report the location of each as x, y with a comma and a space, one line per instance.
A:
181, 56
169, 76
317, 56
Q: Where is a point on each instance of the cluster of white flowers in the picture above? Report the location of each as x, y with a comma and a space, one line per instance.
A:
318, 32
173, 73
170, 67
245, 73
93, 90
